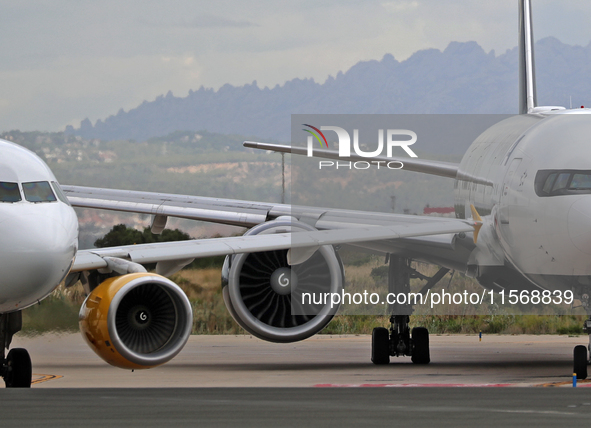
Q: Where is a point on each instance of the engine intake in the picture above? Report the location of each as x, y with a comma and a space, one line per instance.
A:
136, 321
264, 293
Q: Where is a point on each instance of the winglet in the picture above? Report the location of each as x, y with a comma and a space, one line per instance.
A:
477, 222
475, 214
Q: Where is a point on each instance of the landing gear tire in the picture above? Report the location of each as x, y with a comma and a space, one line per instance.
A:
420, 346
18, 369
380, 346
580, 361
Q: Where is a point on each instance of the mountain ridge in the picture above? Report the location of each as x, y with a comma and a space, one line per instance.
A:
462, 78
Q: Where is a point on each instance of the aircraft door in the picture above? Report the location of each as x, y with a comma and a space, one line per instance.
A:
508, 198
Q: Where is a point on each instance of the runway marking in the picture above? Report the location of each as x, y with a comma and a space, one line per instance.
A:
44, 378
414, 385
586, 383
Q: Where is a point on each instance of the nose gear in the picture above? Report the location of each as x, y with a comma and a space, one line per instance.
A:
15, 367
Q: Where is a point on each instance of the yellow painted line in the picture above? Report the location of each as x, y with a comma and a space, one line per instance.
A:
568, 382
44, 378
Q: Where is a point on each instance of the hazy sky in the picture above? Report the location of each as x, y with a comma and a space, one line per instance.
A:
64, 60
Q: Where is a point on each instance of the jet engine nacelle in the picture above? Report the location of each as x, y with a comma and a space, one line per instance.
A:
264, 293
136, 321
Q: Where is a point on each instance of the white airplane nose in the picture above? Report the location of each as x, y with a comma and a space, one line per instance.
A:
579, 224
35, 255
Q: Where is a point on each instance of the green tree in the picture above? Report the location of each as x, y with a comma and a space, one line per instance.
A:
123, 235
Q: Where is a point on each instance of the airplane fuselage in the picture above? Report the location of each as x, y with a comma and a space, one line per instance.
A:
538, 206
38, 229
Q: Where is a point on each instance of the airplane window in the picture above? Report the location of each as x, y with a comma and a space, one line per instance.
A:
549, 182
566, 182
9, 192
561, 181
38, 191
60, 193
580, 182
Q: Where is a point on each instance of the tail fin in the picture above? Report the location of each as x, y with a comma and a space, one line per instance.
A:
527, 73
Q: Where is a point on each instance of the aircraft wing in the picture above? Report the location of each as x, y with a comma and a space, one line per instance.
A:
428, 238
180, 250
231, 211
440, 168
224, 211
425, 166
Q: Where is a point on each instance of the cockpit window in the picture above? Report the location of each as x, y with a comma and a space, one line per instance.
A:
60, 193
567, 182
580, 182
548, 183
38, 191
561, 182
9, 192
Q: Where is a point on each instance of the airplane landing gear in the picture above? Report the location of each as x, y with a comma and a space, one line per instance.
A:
580, 361
15, 368
400, 340
380, 346
420, 346
580, 354
18, 371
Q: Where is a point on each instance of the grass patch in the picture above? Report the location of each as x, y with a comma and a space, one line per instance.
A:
59, 312
53, 314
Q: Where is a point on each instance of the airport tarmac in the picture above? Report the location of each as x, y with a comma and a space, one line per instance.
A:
325, 381
296, 407
65, 361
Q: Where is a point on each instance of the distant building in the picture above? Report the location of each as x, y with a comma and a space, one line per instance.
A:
439, 211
